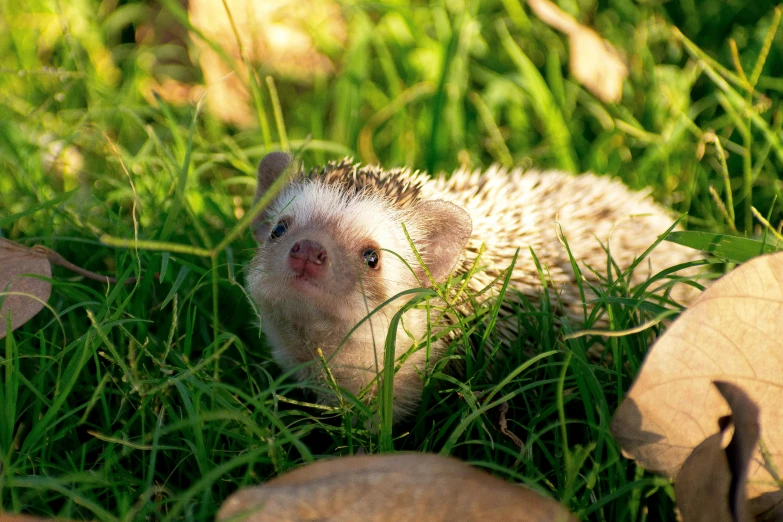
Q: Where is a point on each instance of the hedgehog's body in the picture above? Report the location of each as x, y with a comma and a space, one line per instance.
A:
327, 257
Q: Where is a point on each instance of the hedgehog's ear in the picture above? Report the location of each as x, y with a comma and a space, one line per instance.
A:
447, 229
271, 167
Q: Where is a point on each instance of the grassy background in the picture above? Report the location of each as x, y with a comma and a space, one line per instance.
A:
159, 399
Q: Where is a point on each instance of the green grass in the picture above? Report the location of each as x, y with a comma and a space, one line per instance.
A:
157, 400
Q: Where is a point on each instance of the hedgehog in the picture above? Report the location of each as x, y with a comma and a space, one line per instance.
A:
344, 240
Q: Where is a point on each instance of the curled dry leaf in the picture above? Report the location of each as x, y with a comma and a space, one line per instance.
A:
421, 487
593, 62
503, 426
733, 332
716, 474
24, 296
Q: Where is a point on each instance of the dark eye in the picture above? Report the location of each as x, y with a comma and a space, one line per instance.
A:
372, 258
279, 229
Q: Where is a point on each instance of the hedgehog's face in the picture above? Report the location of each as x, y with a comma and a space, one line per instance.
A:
329, 254
326, 252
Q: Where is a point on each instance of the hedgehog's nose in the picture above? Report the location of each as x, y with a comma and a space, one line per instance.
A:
309, 251
307, 258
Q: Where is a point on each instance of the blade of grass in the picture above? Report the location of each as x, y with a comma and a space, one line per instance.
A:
542, 101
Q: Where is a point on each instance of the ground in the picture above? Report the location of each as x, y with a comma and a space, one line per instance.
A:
158, 399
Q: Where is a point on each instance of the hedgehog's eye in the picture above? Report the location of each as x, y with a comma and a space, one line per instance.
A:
372, 257
279, 230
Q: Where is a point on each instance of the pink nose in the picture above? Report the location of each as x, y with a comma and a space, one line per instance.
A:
307, 258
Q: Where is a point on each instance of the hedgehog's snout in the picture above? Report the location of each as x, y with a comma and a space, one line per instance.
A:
307, 258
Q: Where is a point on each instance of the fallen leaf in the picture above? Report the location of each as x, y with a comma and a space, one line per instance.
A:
733, 332
704, 480
715, 476
285, 37
596, 65
24, 296
416, 486
593, 61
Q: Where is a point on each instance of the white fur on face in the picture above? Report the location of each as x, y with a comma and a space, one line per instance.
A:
346, 224
354, 221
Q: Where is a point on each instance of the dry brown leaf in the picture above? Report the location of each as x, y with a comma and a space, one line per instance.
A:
715, 476
503, 426
733, 332
593, 61
596, 65
773, 515
275, 35
421, 487
25, 296
704, 480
